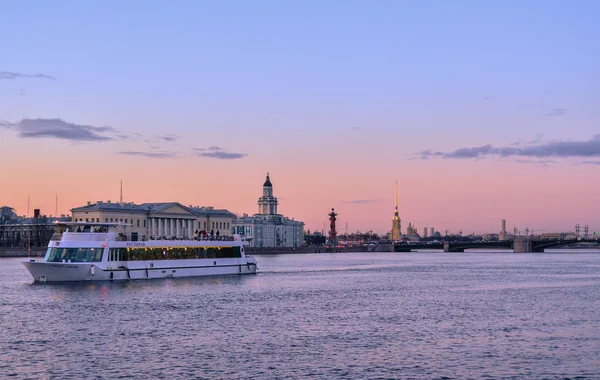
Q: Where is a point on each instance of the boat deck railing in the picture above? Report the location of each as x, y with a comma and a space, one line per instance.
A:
202, 238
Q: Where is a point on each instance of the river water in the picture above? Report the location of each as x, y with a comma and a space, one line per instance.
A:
340, 315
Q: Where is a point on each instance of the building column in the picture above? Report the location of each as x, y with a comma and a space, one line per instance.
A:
159, 226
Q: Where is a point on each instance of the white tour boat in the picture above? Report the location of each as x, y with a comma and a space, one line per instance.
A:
97, 252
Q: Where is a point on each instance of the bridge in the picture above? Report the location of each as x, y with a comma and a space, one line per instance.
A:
518, 245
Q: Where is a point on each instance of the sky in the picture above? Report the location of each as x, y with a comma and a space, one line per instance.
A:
481, 110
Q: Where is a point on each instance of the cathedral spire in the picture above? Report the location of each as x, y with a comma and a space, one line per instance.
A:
396, 197
396, 222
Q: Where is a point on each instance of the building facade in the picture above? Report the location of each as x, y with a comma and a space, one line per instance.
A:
267, 228
20, 231
157, 220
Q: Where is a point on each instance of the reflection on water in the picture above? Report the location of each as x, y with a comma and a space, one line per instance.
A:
353, 315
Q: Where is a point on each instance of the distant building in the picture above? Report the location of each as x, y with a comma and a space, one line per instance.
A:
396, 233
431, 231
424, 232
503, 234
268, 228
411, 231
20, 231
158, 220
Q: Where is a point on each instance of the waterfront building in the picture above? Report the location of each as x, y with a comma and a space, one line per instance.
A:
396, 222
424, 232
21, 231
268, 228
153, 220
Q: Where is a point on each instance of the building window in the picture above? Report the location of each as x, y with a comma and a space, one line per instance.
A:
138, 222
125, 220
86, 220
105, 220
144, 222
204, 225
111, 220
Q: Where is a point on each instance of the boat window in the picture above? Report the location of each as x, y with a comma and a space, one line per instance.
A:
75, 255
180, 253
118, 254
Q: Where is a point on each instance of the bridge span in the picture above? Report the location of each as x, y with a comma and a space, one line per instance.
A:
518, 245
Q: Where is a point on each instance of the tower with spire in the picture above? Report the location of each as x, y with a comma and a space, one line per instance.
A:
267, 204
396, 223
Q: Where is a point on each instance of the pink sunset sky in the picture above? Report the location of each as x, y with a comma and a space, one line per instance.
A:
489, 115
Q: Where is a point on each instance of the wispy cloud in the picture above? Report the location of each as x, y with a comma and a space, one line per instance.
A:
149, 154
169, 137
362, 201
10, 75
557, 112
218, 153
552, 149
60, 129
538, 139
536, 162
589, 163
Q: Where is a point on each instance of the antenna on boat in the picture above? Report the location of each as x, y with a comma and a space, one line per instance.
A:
121, 202
56, 207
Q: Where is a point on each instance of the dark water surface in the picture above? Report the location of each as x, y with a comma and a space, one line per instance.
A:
351, 315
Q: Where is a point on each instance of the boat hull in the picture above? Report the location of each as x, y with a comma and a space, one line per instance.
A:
73, 272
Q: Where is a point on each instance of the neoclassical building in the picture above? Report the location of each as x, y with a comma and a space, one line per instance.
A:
170, 219
268, 228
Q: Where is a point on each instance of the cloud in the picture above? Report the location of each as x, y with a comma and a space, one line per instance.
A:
356, 128
168, 137
361, 201
60, 129
9, 75
552, 149
149, 154
539, 137
589, 163
218, 153
557, 112
537, 162
221, 155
